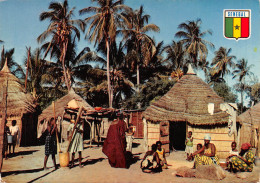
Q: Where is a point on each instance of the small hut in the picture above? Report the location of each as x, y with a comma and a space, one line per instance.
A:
250, 124
190, 105
20, 106
60, 105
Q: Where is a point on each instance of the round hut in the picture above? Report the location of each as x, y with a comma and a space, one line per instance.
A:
190, 105
250, 121
20, 106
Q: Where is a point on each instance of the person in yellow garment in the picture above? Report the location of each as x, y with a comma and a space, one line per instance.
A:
209, 157
161, 153
244, 162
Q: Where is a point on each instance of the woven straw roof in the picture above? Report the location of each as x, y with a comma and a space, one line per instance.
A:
251, 116
61, 103
18, 102
188, 101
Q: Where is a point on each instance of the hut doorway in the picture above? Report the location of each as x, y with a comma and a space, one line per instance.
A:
177, 131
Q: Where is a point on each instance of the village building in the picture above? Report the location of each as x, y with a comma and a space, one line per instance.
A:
63, 119
190, 105
19, 106
250, 121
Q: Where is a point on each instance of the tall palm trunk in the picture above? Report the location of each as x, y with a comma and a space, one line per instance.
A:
137, 77
242, 100
65, 45
109, 90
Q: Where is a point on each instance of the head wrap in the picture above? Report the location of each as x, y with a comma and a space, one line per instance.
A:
245, 146
207, 137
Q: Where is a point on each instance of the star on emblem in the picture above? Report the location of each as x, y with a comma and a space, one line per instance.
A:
237, 27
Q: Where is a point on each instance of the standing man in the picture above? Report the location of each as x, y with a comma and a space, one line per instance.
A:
115, 144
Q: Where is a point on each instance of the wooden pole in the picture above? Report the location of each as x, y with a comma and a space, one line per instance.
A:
56, 131
27, 66
2, 126
78, 117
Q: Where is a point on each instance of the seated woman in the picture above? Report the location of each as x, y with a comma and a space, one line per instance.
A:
151, 161
209, 157
244, 162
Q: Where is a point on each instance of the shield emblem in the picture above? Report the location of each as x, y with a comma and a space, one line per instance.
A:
237, 24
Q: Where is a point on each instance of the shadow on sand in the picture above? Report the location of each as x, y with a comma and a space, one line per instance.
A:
16, 172
21, 153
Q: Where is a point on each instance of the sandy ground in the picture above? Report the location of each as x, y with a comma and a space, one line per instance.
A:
26, 166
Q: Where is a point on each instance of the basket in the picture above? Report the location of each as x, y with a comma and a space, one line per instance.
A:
64, 159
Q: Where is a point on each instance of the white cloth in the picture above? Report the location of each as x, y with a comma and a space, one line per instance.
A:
233, 152
189, 149
14, 130
129, 142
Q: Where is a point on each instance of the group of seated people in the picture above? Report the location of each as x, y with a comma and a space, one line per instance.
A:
155, 161
236, 162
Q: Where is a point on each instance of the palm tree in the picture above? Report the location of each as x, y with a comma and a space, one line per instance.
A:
192, 39
37, 72
140, 45
61, 28
242, 71
221, 63
103, 25
174, 55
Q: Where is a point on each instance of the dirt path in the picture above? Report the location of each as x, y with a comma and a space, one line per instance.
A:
27, 167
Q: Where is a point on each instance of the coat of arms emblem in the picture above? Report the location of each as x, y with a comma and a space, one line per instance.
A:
237, 24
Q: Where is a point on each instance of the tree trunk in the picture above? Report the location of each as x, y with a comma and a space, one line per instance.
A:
242, 101
138, 78
109, 91
63, 65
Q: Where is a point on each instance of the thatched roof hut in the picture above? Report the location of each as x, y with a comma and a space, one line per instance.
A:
188, 101
18, 101
20, 106
190, 105
250, 120
60, 105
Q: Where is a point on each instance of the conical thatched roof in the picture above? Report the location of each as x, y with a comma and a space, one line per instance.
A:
18, 102
188, 101
61, 103
251, 116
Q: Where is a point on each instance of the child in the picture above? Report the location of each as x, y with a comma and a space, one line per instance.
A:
199, 146
161, 153
189, 146
232, 152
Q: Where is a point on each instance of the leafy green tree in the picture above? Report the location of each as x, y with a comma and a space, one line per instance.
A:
192, 39
60, 29
151, 91
104, 23
224, 91
255, 93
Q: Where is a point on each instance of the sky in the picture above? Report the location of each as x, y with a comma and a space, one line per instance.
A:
20, 25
